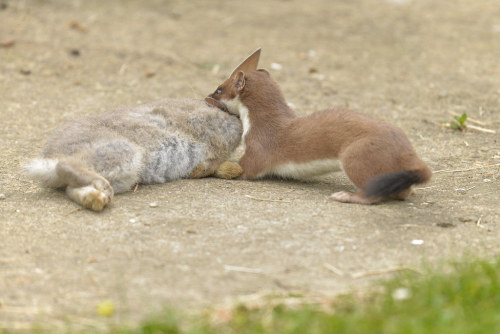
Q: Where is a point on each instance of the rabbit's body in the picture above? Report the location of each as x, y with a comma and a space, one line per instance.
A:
153, 143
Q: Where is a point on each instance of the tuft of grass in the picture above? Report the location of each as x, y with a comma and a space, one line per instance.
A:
168, 323
459, 122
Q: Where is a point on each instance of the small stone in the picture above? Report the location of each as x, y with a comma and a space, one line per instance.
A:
276, 66
133, 220
75, 52
2, 197
318, 76
153, 205
417, 242
339, 248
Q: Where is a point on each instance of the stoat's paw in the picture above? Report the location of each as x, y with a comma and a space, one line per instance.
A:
347, 197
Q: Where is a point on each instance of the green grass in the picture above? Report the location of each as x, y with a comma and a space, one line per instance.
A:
458, 122
465, 299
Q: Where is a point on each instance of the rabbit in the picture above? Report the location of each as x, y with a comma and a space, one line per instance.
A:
97, 156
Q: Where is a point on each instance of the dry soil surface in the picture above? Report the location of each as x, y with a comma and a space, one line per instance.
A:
208, 241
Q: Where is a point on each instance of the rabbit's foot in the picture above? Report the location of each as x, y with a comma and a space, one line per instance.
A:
228, 170
94, 196
202, 170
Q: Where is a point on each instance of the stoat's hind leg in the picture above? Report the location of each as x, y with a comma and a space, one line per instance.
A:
347, 197
360, 198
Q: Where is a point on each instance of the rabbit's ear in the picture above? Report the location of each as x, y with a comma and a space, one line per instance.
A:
249, 64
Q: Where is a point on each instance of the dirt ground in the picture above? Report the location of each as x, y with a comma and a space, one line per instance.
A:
209, 241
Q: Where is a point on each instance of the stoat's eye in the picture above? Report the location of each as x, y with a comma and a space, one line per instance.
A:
218, 91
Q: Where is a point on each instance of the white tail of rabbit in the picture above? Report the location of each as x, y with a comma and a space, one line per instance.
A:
44, 171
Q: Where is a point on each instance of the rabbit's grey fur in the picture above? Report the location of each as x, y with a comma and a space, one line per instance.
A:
152, 143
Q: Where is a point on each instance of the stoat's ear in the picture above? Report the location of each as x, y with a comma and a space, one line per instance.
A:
239, 81
263, 70
249, 64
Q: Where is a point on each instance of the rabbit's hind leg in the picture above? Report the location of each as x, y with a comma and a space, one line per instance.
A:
83, 186
94, 197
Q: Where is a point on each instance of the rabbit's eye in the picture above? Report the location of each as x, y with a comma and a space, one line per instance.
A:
218, 91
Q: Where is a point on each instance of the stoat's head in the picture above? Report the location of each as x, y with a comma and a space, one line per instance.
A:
226, 96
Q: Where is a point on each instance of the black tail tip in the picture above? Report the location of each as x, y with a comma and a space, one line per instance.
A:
386, 185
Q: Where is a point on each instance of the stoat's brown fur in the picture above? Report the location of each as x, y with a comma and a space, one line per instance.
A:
377, 156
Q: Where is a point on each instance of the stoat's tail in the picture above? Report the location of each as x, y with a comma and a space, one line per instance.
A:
45, 171
391, 184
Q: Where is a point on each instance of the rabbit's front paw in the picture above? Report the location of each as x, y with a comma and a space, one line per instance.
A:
202, 170
228, 170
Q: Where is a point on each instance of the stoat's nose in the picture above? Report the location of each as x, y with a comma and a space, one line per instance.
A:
214, 103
